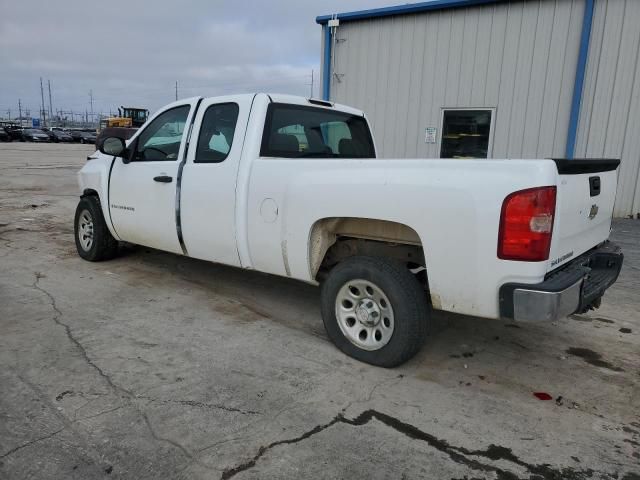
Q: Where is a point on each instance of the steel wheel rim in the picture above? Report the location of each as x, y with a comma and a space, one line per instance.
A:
85, 230
364, 314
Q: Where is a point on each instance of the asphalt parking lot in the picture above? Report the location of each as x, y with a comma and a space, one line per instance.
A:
155, 366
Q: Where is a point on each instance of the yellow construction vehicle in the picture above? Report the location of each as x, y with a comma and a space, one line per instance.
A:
115, 122
129, 119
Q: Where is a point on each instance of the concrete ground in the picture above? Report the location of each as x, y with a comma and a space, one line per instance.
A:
155, 366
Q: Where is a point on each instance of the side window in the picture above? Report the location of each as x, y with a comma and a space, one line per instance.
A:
160, 140
216, 133
298, 131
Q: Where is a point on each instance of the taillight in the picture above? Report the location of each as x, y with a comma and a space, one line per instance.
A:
526, 224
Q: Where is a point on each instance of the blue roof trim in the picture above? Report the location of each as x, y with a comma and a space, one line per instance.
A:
403, 9
578, 85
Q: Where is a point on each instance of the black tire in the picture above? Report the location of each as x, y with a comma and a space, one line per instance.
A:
408, 300
103, 246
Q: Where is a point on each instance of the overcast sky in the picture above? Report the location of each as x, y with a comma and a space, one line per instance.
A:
132, 52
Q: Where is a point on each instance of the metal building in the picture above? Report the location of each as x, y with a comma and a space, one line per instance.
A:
496, 79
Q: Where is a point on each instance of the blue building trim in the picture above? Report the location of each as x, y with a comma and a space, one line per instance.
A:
326, 73
583, 52
381, 12
403, 9
576, 101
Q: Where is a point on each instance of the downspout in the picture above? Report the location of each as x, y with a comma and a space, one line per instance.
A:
578, 85
326, 73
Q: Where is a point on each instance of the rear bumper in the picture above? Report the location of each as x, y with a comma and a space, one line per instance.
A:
574, 287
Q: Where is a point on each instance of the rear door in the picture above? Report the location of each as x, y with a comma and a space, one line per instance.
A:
208, 188
142, 193
584, 207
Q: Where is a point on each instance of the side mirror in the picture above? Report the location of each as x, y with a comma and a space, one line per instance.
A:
112, 146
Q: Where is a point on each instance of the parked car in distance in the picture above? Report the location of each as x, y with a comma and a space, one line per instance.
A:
48, 133
293, 187
88, 137
15, 132
60, 136
75, 134
4, 135
35, 135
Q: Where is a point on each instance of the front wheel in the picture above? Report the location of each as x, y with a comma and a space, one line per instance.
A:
375, 310
94, 241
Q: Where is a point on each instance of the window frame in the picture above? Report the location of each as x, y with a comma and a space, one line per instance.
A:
134, 153
492, 125
204, 114
264, 150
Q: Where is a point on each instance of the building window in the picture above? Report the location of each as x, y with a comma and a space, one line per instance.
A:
466, 133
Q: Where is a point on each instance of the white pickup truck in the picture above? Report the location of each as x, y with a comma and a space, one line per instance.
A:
292, 186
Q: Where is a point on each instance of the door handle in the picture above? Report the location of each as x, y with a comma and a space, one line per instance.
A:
163, 179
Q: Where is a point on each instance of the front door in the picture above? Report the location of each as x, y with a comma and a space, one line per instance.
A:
142, 193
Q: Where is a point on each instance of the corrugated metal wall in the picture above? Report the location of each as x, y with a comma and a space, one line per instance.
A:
609, 124
518, 57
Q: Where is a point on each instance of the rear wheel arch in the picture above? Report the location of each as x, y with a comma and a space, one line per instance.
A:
334, 239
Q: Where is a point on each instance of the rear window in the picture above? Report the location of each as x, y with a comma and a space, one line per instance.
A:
296, 131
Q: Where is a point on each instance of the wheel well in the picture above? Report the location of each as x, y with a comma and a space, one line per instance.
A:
334, 239
88, 192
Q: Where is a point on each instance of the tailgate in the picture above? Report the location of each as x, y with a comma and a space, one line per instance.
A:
584, 206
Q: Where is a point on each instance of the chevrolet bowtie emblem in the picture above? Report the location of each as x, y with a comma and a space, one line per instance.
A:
593, 212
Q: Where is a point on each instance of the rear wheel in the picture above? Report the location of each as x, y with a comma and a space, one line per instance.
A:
94, 241
375, 310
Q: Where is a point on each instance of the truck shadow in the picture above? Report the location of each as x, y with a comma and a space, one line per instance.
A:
475, 349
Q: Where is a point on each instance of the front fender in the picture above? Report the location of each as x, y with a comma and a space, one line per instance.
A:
93, 178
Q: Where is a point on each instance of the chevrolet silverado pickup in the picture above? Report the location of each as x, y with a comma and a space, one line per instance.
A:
293, 187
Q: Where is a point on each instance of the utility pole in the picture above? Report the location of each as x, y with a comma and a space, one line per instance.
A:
43, 115
20, 111
176, 90
50, 104
91, 100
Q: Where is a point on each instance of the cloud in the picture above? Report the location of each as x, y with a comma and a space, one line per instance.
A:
132, 52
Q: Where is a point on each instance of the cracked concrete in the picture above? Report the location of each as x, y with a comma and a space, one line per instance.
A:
157, 366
